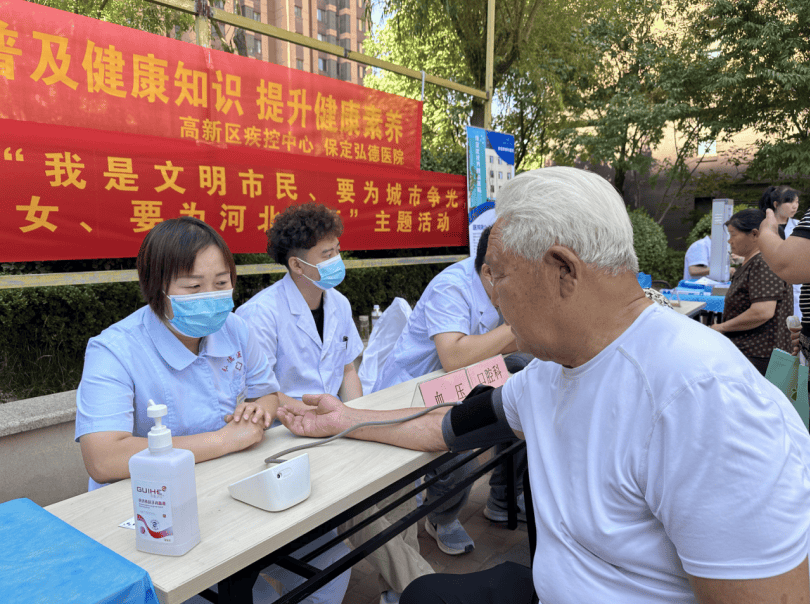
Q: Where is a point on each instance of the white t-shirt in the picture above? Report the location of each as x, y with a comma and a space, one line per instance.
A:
700, 252
666, 454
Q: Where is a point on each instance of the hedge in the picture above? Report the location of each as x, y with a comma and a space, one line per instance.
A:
45, 329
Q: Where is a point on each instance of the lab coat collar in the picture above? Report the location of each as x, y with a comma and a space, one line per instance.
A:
168, 345
299, 308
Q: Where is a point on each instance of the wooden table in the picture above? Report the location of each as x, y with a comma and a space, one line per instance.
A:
690, 309
235, 534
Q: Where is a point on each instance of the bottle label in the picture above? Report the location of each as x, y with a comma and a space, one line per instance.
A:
153, 511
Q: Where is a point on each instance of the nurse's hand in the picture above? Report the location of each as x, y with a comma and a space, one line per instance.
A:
241, 435
251, 412
321, 417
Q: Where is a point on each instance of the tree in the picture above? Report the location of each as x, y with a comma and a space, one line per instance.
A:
528, 94
445, 111
645, 77
520, 26
761, 79
138, 14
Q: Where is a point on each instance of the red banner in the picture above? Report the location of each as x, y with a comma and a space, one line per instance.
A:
72, 193
61, 68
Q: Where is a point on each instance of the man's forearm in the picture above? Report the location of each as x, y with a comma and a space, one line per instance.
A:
698, 270
421, 434
470, 349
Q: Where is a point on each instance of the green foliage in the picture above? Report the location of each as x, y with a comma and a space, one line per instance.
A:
671, 270
46, 329
365, 287
533, 46
760, 79
650, 243
137, 14
702, 228
637, 86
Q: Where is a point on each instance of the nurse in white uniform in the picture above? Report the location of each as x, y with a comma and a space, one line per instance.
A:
305, 328
185, 349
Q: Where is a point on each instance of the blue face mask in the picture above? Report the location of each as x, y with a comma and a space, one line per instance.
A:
200, 315
332, 272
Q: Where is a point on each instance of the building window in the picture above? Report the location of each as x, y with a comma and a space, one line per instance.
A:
360, 73
321, 37
707, 148
359, 25
257, 45
220, 4
320, 15
298, 13
299, 64
500, 175
321, 64
508, 176
491, 159
492, 173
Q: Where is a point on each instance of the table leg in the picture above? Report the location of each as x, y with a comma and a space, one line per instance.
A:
238, 588
511, 494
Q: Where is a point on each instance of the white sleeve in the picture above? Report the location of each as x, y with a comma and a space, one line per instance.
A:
510, 393
447, 310
726, 475
262, 326
262, 340
698, 253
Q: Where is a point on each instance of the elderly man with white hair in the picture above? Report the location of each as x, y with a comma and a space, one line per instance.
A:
664, 468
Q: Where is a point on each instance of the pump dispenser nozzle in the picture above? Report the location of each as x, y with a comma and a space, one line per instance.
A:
160, 437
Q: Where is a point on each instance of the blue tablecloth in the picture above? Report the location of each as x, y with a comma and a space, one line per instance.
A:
713, 303
44, 560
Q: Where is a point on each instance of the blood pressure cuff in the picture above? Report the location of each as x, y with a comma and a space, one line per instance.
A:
479, 421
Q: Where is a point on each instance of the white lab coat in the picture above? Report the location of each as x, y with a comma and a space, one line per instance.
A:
284, 327
700, 252
454, 301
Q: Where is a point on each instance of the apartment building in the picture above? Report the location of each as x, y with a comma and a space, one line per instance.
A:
338, 22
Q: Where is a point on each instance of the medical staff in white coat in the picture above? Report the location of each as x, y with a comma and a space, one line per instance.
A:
306, 329
453, 325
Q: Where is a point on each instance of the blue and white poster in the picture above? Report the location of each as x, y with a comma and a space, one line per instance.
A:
490, 165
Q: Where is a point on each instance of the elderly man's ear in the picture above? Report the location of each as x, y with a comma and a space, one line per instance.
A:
567, 265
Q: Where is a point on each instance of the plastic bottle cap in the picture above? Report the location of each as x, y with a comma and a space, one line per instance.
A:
159, 437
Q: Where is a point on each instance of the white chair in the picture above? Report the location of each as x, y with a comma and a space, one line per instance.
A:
381, 342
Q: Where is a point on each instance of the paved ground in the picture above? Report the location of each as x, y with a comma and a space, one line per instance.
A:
494, 543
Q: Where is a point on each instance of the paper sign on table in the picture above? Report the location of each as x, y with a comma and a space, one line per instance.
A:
491, 372
449, 388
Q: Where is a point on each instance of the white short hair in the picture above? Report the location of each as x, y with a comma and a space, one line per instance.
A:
570, 207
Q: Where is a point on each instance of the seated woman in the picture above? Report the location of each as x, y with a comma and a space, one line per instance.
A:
758, 302
185, 349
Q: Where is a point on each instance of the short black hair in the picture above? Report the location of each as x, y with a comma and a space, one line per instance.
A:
169, 250
481, 250
746, 220
301, 227
775, 196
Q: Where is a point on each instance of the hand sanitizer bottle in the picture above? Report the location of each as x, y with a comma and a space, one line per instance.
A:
164, 493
